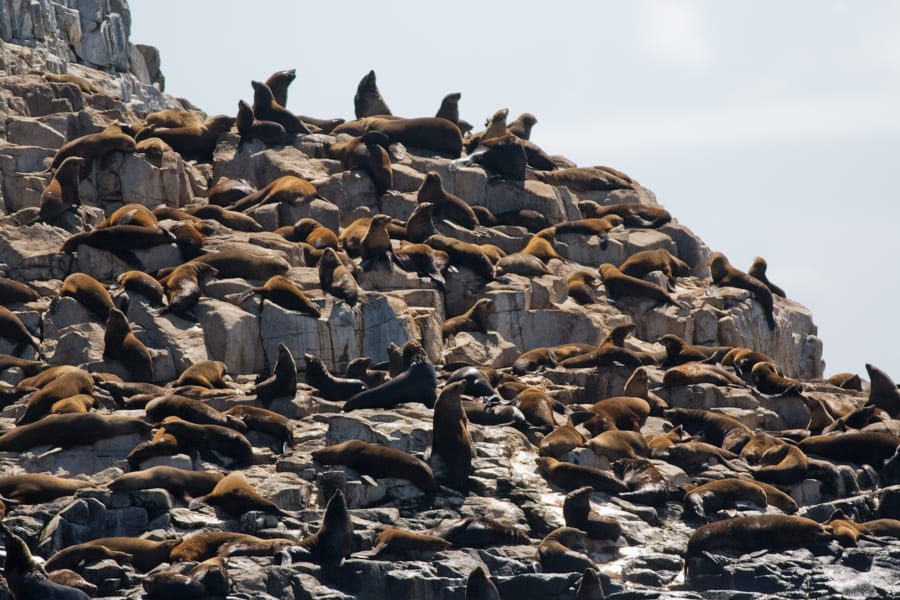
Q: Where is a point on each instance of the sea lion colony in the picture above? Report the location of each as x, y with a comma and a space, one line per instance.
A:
455, 453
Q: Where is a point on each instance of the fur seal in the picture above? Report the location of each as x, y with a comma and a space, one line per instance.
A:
180, 482
283, 382
194, 142
118, 239
883, 393
35, 488
368, 152
310, 231
610, 351
870, 447
591, 226
270, 133
784, 464
83, 84
204, 545
420, 225
205, 373
332, 542
679, 352
758, 270
756, 532
589, 586
224, 440
190, 409
561, 440
423, 260
646, 483
647, 261
504, 157
92, 146
13, 329
225, 192
378, 461
287, 189
619, 285
130, 214
183, 286
534, 359
394, 540
635, 214
141, 283
720, 494
120, 343
615, 444
577, 513
717, 428
90, 293
336, 279
432, 134
521, 125
479, 532
847, 381
146, 554
586, 179
376, 248
537, 407
63, 384
580, 286
368, 101
61, 193
446, 205
450, 437
281, 291
25, 577
331, 388
768, 380
464, 254
480, 587
234, 494
723, 274
474, 319
692, 373
619, 412
260, 419
693, 455
278, 83
555, 555
418, 383
74, 429
570, 476
229, 218
14, 292
74, 557
153, 147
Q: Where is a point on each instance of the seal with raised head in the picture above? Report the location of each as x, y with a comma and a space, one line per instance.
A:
61, 193
270, 133
224, 440
379, 461
758, 270
521, 125
265, 108
336, 279
480, 587
474, 319
120, 343
556, 556
26, 578
883, 392
577, 513
723, 274
368, 101
332, 542
417, 383
450, 437
446, 205
331, 388
283, 382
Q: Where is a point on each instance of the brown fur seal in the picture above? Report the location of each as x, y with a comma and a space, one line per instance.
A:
238, 262
634, 213
619, 285
768, 380
332, 542
83, 84
756, 532
172, 118
569, 476
432, 134
223, 440
206, 373
204, 545
235, 495
618, 412
61, 193
260, 419
189, 409
504, 157
226, 192
35, 488
420, 225
283, 382
278, 83
647, 261
555, 555
120, 343
564, 438
869, 447
610, 351
146, 554
183, 286
450, 437
336, 279
26, 578
446, 205
141, 283
376, 246
464, 254
281, 291
92, 146
616, 444
310, 231
378, 461
72, 429
716, 427
784, 464
589, 586
90, 293
591, 226
229, 218
721, 494
197, 142
480, 587
287, 189
130, 214
679, 352
329, 387
521, 125
180, 482
66, 383
423, 260
696, 372
586, 179
368, 152
474, 319
13, 329
537, 407
368, 101
270, 133
418, 383
580, 286
534, 359
153, 147
577, 513
479, 532
646, 483
118, 238
723, 274
394, 540
14, 292
847, 381
758, 270
74, 557
883, 393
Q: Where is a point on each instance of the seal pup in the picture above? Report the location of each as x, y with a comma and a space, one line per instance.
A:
723, 274
310, 231
450, 439
417, 383
379, 461
758, 270
556, 556
368, 101
26, 578
61, 193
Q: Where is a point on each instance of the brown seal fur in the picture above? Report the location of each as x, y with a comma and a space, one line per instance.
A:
587, 179
480, 587
446, 205
537, 407
611, 350
394, 540
723, 274
332, 542
768, 380
25, 576
427, 133
417, 383
61, 193
180, 482
35, 488
721, 494
647, 261
329, 387
570, 476
336, 279
193, 142
615, 444
281, 291
692, 373
555, 555
229, 218
72, 579
784, 464
287, 189
379, 461
260, 419
868, 447
183, 285
758, 270
90, 293
119, 237
13, 292
73, 557
83, 84
283, 382
521, 125
146, 554
204, 545
504, 157
368, 152
541, 246
206, 373
577, 513
235, 495
143, 284
883, 393
130, 214
368, 101
474, 319
847, 381
756, 532
189, 409
679, 352
270, 133
564, 438
72, 429
450, 437
13, 329
310, 231
92, 146
635, 214
226, 192
120, 343
479, 532
618, 412
646, 483
580, 286
420, 225
153, 147
464, 254
224, 440
717, 428
58, 385
619, 285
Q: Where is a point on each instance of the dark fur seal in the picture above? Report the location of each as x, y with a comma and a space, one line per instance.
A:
283, 381
281, 291
332, 542
480, 587
180, 482
223, 440
226, 192
450, 437
92, 146
504, 157
183, 286
648, 261
418, 383
521, 125
194, 142
756, 532
883, 392
260, 419
63, 383
146, 554
464, 254
870, 447
310, 231
474, 319
27, 580
13, 329
715, 427
635, 214
394, 540
130, 214
74, 429
479, 532
587, 179
121, 344
758, 270
619, 285
13, 292
446, 205
577, 513
190, 409
336, 279
432, 134
61, 193
368, 152
270, 133
229, 218
331, 388
721, 494
74, 557
570, 476
723, 274
35, 488
379, 461
555, 555
368, 101
120, 238
646, 483
767, 379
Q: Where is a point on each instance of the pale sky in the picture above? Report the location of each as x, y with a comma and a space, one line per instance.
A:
767, 127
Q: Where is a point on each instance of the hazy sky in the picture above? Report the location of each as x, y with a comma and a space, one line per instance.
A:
769, 128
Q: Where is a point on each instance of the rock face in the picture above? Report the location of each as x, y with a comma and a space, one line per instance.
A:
248, 329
